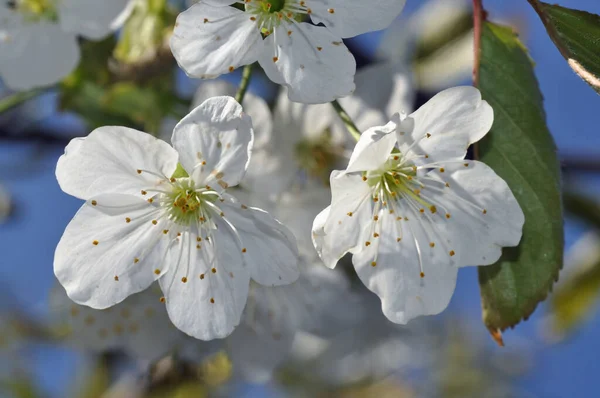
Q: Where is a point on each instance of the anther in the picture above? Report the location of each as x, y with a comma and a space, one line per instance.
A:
374, 264
433, 209
244, 250
422, 274
94, 203
349, 214
95, 243
367, 243
212, 300
184, 279
431, 244
213, 270
201, 276
136, 260
157, 271
484, 211
127, 220
116, 278
162, 299
452, 253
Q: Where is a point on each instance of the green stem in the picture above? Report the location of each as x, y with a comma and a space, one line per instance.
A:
346, 119
246, 75
12, 100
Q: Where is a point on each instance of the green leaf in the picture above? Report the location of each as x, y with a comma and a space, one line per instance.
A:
575, 299
577, 35
521, 150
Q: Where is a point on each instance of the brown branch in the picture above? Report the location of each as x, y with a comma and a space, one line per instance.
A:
478, 18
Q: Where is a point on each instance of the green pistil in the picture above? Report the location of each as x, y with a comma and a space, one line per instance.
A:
187, 205
273, 6
397, 182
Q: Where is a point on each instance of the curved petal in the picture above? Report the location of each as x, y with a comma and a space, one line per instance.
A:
207, 287
391, 267
350, 212
269, 247
115, 160
374, 147
36, 54
349, 18
210, 40
447, 124
110, 250
484, 214
318, 231
91, 18
215, 141
256, 107
315, 65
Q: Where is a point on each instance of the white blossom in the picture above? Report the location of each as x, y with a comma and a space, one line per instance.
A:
212, 38
412, 210
38, 38
156, 212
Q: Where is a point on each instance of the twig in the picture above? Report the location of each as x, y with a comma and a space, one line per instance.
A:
346, 119
246, 76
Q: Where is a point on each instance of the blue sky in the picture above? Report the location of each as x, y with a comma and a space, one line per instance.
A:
564, 370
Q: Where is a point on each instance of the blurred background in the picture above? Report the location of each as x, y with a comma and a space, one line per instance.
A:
552, 354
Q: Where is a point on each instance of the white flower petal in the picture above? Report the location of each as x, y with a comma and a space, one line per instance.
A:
207, 287
36, 54
454, 119
91, 18
214, 142
392, 268
318, 231
349, 18
349, 214
256, 107
484, 214
374, 147
110, 250
210, 40
315, 65
114, 160
269, 247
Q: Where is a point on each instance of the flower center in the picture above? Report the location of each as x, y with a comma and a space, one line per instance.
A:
269, 14
318, 157
187, 204
397, 179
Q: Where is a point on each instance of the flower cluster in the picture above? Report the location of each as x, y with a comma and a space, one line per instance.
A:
38, 38
224, 232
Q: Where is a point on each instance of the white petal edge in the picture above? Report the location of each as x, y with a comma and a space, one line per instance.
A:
113, 160
215, 142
